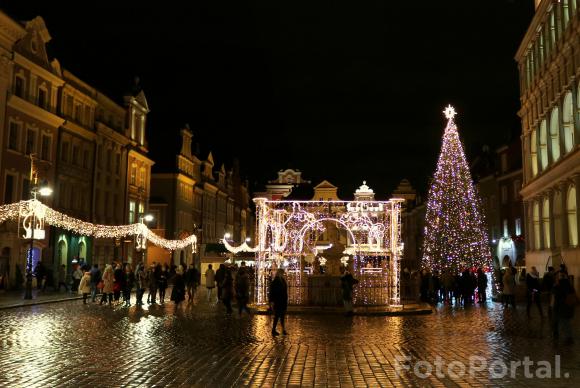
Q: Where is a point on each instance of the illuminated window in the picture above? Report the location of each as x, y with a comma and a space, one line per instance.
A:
534, 153
132, 208
536, 220
546, 223
565, 15
506, 232
133, 174
572, 216
518, 226
568, 122
555, 134
543, 145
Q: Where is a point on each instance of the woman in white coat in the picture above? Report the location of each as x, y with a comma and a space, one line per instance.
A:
85, 286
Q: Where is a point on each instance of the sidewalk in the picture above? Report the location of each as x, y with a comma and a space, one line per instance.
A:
11, 299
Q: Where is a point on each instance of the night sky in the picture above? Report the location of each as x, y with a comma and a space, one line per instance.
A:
342, 91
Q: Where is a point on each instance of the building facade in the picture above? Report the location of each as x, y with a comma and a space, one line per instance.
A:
549, 65
91, 150
195, 198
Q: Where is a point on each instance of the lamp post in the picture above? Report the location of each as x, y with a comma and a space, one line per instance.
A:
44, 190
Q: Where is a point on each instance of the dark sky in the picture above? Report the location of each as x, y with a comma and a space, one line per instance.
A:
344, 91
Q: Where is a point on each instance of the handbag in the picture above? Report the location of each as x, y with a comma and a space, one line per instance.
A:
101, 285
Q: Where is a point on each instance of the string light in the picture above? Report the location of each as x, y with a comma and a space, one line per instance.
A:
288, 232
455, 230
44, 214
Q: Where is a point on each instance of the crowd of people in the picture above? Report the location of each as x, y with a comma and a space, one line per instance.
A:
462, 288
231, 282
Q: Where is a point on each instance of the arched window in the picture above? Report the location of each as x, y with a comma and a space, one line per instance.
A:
543, 145
534, 153
557, 217
536, 218
546, 223
568, 122
555, 133
572, 217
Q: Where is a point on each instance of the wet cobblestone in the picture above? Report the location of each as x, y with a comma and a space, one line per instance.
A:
70, 344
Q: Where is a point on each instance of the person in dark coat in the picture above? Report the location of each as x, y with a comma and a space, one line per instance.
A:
162, 280
140, 283
178, 292
191, 282
129, 282
243, 290
219, 278
481, 286
347, 282
533, 290
279, 300
120, 282
565, 301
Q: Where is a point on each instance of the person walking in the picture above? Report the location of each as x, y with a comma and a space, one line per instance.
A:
278, 297
95, 279
178, 292
77, 275
163, 277
209, 282
85, 286
152, 283
243, 290
565, 301
191, 282
481, 286
347, 282
108, 280
219, 278
140, 283
129, 282
533, 293
227, 289
119, 284
509, 285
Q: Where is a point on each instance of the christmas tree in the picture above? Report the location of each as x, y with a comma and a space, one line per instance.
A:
455, 231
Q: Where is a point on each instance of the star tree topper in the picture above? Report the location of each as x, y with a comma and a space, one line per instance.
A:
449, 112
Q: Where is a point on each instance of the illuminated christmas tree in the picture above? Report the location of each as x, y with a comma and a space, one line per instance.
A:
455, 231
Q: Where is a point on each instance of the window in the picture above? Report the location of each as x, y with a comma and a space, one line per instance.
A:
141, 209
543, 145
118, 163
565, 16
534, 153
536, 220
25, 194
64, 152
572, 217
555, 134
69, 105
42, 98
30, 141
109, 160
142, 129
78, 114
46, 147
518, 226
517, 188
504, 194
75, 155
19, 86
132, 209
506, 232
85, 159
9, 188
14, 136
568, 122
552, 21
133, 174
504, 162
546, 223
142, 177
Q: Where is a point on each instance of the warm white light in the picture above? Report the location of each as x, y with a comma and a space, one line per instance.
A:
45, 191
248, 239
449, 112
148, 218
227, 235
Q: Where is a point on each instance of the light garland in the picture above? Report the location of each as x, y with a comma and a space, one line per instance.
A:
44, 214
288, 231
455, 231
242, 248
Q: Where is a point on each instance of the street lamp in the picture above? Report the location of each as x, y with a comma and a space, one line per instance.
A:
44, 191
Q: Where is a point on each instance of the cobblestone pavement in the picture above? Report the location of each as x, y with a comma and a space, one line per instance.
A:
71, 344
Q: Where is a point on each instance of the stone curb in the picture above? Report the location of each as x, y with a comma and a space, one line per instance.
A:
35, 303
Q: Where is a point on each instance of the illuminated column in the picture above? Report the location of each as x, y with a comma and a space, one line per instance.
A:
395, 252
261, 213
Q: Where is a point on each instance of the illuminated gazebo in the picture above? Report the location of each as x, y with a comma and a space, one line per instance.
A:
316, 240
